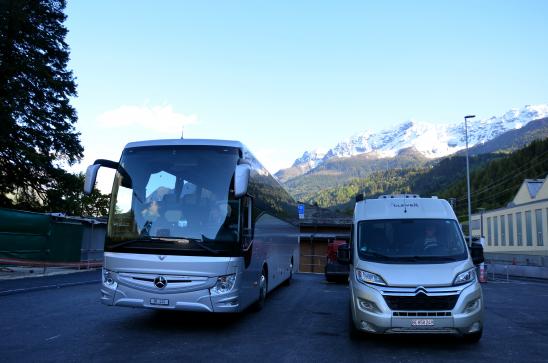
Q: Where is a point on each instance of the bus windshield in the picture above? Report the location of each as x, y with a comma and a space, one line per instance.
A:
175, 200
411, 241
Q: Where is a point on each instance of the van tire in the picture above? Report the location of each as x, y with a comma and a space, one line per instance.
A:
353, 332
473, 338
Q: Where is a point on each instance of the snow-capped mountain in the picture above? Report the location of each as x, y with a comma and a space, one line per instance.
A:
310, 159
431, 140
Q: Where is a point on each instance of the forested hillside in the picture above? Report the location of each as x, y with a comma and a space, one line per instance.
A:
496, 184
495, 179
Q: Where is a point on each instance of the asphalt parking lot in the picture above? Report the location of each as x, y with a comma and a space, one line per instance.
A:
60, 318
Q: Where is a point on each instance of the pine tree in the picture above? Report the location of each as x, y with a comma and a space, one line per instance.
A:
36, 119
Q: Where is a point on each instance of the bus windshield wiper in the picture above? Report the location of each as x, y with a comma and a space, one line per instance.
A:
131, 241
176, 241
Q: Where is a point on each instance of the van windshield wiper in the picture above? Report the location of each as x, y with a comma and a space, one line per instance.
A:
425, 258
376, 255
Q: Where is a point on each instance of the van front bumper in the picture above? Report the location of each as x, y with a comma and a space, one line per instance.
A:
371, 312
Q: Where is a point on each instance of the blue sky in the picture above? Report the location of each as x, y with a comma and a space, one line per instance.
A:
287, 76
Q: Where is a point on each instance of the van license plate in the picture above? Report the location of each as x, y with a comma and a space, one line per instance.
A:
155, 301
422, 322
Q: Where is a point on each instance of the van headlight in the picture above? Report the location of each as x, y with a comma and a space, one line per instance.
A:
369, 278
224, 284
465, 277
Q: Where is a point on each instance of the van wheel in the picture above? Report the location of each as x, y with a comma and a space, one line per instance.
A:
473, 338
263, 288
353, 332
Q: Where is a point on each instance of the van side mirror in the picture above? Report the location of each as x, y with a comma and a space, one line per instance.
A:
241, 180
476, 251
343, 254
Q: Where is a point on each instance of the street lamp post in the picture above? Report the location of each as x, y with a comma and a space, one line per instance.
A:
481, 210
468, 180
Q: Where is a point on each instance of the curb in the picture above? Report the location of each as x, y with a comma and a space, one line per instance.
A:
48, 287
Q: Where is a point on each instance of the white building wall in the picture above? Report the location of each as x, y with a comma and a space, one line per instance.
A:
508, 236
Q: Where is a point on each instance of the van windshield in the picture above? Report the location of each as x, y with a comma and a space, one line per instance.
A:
411, 241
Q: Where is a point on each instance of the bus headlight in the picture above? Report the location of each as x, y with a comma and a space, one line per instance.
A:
224, 284
109, 280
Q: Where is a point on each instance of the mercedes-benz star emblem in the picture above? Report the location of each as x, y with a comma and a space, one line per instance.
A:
160, 282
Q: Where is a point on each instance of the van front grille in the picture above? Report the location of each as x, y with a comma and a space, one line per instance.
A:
422, 313
421, 302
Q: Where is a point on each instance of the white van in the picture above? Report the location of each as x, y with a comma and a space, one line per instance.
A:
411, 270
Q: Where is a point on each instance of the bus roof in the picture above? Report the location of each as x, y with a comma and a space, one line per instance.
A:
183, 142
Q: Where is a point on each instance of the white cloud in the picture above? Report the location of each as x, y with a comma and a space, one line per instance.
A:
162, 120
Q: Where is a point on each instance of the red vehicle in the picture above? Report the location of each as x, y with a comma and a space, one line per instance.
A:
334, 271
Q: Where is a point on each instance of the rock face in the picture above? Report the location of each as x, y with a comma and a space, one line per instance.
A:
431, 140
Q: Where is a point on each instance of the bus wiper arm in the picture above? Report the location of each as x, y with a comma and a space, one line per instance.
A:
131, 241
174, 241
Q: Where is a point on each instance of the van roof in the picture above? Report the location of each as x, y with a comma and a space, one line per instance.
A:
403, 208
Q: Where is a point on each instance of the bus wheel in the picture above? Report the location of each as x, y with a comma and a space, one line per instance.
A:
263, 288
288, 281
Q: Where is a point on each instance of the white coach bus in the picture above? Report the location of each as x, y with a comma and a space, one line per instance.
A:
195, 225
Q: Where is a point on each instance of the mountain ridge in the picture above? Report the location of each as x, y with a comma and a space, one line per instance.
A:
431, 140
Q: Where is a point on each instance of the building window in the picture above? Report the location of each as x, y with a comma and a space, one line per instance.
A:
496, 230
528, 229
518, 228
540, 236
510, 230
489, 238
503, 230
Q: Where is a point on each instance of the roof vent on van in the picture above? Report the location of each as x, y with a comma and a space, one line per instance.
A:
399, 196
434, 197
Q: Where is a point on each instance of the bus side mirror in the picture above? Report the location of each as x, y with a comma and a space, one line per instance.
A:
241, 180
91, 176
476, 251
343, 254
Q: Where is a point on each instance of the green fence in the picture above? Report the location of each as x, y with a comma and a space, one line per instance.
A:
40, 237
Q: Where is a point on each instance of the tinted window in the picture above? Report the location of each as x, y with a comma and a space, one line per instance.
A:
411, 241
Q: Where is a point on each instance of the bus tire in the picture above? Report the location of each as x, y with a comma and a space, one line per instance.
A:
263, 288
287, 282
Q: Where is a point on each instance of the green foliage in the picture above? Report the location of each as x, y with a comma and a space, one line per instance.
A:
37, 121
66, 196
495, 185
337, 172
495, 179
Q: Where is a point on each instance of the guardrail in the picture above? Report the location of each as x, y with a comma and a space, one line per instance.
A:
83, 265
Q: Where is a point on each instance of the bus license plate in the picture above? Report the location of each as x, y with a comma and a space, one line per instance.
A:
422, 322
154, 301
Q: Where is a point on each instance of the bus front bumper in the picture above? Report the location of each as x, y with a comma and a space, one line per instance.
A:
197, 301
